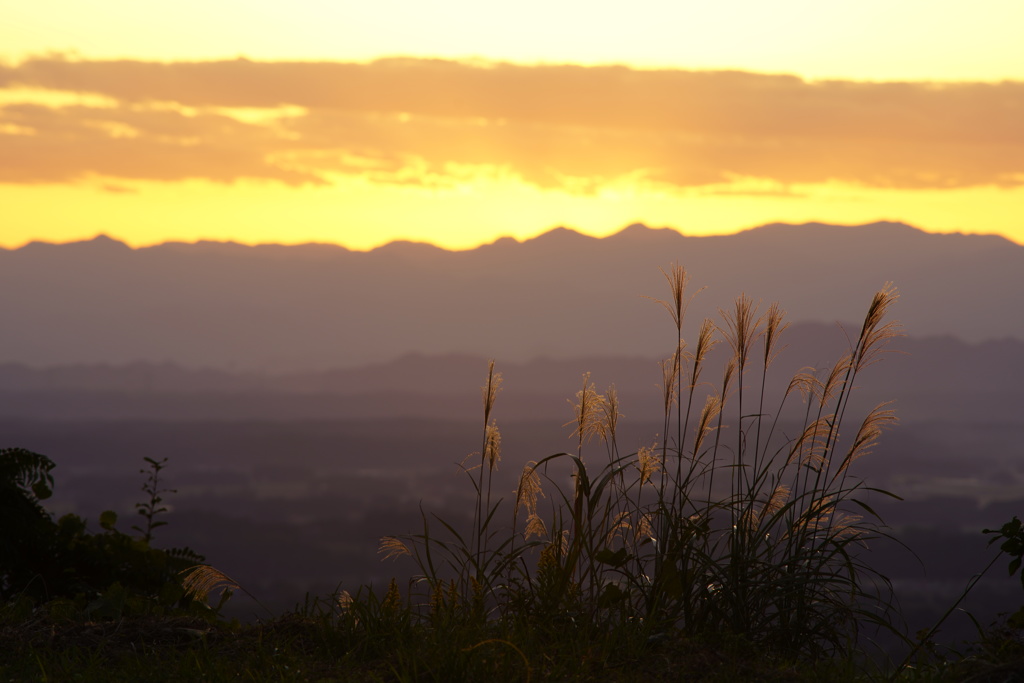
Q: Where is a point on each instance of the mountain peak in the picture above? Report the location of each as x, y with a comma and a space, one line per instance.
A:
560, 235
640, 232
101, 243
407, 248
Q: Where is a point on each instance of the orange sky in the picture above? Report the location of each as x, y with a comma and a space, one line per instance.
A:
493, 126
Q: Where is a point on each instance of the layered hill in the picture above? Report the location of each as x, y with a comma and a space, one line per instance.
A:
561, 295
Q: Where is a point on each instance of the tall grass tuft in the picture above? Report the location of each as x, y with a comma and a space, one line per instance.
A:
743, 519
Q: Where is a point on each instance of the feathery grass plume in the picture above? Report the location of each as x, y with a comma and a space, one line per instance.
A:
392, 602
872, 335
868, 434
392, 547
807, 384
563, 546
773, 329
619, 524
436, 600
712, 407
779, 497
609, 421
200, 580
705, 342
647, 463
669, 372
677, 278
820, 510
590, 407
811, 447
643, 529
535, 527
727, 377
836, 380
492, 445
741, 329
529, 490
490, 390
846, 525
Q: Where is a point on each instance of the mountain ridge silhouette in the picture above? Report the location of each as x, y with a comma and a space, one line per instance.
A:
561, 294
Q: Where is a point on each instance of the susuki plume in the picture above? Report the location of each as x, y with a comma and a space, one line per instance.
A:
647, 463
873, 336
773, 328
867, 435
812, 445
392, 547
669, 371
492, 445
590, 408
705, 342
490, 390
741, 328
712, 407
529, 489
609, 422
535, 527
200, 580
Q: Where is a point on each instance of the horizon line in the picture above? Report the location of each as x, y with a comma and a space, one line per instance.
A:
560, 228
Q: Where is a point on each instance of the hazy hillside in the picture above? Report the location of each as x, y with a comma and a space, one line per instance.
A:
934, 378
561, 295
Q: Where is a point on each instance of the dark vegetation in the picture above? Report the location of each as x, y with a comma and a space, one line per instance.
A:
730, 547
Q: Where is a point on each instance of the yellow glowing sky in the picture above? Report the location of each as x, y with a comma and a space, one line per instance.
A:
137, 121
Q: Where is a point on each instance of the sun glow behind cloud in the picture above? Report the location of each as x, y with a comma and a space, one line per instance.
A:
171, 141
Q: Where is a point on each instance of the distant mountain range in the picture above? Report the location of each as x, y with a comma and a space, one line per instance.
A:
937, 378
292, 309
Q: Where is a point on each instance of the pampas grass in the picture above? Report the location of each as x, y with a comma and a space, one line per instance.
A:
724, 525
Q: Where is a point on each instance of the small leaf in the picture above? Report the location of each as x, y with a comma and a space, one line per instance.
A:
1014, 566
108, 518
611, 595
615, 559
41, 490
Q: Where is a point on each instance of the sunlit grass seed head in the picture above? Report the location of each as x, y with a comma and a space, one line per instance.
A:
778, 499
811, 447
868, 434
535, 527
670, 368
647, 463
608, 425
741, 328
773, 329
492, 446
201, 580
677, 279
490, 390
705, 422
392, 547
529, 490
591, 410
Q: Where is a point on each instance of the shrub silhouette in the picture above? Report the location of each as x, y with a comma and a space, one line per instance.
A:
42, 559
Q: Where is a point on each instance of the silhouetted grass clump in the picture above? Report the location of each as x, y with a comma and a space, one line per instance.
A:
723, 527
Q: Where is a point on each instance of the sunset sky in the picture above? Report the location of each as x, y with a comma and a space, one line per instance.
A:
457, 122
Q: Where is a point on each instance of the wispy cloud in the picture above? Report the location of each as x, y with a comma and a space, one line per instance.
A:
409, 120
